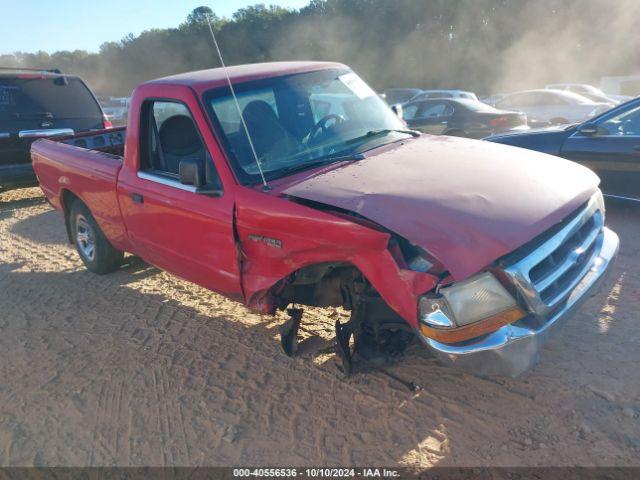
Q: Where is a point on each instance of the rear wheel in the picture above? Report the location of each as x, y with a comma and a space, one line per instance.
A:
94, 249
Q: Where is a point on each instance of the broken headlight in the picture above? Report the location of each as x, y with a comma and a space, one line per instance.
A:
466, 302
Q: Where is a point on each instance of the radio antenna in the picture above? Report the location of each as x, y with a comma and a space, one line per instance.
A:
265, 185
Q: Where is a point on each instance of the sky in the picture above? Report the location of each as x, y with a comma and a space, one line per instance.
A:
51, 25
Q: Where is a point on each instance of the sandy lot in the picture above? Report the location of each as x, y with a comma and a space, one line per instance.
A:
142, 368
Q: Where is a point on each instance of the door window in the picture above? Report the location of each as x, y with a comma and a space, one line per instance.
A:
409, 112
627, 123
436, 110
168, 137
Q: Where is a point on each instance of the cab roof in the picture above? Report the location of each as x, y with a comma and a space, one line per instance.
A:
202, 80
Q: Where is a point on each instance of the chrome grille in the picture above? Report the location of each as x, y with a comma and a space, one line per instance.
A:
546, 275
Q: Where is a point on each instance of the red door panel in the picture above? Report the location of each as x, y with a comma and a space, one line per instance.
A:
185, 233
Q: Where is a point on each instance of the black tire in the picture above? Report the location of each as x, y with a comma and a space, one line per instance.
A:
95, 251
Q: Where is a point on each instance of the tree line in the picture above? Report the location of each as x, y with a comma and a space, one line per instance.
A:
485, 46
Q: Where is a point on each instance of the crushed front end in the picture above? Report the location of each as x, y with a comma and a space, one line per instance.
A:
513, 306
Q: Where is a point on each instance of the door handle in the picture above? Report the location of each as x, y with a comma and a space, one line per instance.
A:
136, 197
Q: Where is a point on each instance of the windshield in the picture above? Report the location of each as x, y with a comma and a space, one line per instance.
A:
301, 120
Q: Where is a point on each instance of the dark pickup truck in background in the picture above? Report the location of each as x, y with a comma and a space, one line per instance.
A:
36, 104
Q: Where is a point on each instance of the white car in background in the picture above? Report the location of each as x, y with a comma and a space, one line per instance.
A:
116, 109
429, 94
589, 91
552, 106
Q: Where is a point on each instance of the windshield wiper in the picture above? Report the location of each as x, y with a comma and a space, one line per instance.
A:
382, 132
322, 161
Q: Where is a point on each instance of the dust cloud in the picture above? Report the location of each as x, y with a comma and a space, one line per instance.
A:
486, 46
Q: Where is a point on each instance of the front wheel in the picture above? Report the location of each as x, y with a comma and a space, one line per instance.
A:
95, 251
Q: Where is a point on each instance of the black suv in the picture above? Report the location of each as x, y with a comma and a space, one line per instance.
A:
36, 104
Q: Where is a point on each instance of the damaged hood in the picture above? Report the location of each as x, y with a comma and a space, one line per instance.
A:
467, 202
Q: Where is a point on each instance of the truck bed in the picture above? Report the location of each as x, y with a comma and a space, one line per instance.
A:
85, 166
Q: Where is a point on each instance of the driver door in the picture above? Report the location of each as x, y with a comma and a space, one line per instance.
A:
613, 153
172, 225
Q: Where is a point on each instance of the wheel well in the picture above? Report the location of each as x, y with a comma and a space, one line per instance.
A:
66, 199
344, 285
320, 285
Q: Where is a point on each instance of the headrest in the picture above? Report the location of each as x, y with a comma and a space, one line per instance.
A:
178, 135
258, 110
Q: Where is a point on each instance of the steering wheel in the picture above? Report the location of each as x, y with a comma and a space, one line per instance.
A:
322, 125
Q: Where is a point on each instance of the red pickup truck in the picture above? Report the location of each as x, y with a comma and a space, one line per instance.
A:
306, 189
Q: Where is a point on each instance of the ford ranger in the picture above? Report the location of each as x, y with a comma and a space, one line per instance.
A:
299, 186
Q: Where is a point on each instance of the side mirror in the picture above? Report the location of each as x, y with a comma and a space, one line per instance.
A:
191, 173
589, 129
397, 109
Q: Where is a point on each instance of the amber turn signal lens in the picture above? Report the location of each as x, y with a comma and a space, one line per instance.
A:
476, 329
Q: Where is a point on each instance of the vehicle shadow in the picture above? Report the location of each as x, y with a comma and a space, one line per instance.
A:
43, 228
13, 200
22, 198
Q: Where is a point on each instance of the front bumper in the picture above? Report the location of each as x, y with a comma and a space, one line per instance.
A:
514, 348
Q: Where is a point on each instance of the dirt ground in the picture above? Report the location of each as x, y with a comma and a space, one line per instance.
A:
142, 368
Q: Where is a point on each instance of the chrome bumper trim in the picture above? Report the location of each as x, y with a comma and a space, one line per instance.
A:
514, 348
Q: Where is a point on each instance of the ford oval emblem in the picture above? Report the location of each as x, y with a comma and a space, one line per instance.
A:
46, 124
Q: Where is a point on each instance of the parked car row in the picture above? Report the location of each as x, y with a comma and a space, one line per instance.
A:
556, 104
